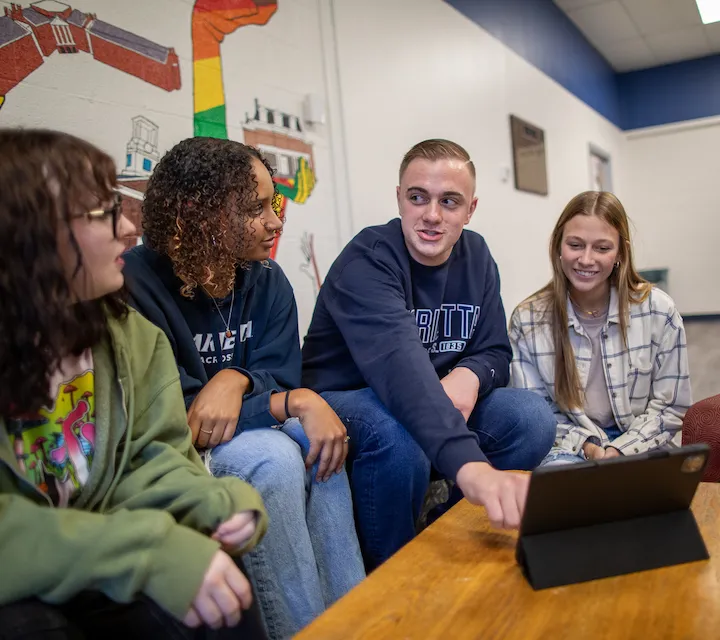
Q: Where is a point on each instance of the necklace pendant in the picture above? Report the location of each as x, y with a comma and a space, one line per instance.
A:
228, 333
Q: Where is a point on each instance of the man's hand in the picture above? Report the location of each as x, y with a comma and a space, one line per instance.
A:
462, 386
214, 413
236, 531
502, 493
224, 592
593, 451
326, 432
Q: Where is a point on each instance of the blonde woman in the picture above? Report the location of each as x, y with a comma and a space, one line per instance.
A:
603, 346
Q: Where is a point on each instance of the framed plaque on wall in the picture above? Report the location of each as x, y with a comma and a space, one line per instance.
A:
528, 143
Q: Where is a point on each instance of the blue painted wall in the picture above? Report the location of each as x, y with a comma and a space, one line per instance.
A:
543, 35
671, 93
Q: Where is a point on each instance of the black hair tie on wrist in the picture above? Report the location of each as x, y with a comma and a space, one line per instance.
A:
287, 406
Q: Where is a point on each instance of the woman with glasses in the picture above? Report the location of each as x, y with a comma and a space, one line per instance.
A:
203, 275
109, 523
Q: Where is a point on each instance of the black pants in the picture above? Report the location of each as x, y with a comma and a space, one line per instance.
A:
92, 615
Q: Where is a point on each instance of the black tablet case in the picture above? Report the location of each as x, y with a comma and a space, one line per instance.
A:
611, 517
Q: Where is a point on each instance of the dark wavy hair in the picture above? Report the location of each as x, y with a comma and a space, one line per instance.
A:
45, 178
197, 203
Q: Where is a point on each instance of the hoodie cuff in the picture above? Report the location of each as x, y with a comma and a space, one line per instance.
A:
456, 454
245, 498
249, 376
483, 372
255, 413
178, 568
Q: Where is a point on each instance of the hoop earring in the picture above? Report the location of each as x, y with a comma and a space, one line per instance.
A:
617, 264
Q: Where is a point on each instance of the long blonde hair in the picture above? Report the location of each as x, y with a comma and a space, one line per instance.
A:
631, 288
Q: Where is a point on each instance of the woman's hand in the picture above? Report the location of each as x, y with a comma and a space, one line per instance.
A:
222, 596
326, 432
612, 452
593, 451
234, 533
214, 414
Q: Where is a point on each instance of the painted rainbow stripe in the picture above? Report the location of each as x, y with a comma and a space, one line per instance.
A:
212, 20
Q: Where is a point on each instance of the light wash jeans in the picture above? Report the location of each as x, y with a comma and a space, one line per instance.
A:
559, 456
310, 556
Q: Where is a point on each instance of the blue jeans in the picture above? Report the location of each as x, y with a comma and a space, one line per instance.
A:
559, 456
310, 556
390, 473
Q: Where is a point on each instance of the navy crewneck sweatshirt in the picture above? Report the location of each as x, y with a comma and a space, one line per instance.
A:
385, 321
264, 343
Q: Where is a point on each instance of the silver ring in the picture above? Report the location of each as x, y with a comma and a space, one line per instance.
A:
204, 431
347, 439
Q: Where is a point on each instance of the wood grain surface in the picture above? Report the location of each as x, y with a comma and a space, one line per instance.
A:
459, 580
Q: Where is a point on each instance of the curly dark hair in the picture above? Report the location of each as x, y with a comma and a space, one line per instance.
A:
196, 206
46, 177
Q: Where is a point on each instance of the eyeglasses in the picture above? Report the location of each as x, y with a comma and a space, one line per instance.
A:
114, 212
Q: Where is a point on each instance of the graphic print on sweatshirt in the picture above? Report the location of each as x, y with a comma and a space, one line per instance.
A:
447, 329
217, 349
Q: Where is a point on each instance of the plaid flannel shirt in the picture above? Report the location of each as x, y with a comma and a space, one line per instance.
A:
648, 381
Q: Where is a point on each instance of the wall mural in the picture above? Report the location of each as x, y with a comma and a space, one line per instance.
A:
142, 154
278, 135
212, 20
28, 36
310, 267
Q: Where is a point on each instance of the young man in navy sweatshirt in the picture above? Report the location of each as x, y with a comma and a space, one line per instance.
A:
409, 345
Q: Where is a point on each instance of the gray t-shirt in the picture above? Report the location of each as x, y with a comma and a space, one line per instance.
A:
597, 398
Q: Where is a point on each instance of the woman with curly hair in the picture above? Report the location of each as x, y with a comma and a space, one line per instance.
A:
109, 522
204, 277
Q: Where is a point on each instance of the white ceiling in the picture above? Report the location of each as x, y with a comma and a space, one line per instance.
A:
636, 34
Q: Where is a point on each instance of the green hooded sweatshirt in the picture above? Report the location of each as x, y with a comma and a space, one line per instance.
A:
140, 525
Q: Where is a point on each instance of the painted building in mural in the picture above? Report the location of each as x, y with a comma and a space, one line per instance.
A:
132, 194
280, 138
142, 149
30, 35
142, 155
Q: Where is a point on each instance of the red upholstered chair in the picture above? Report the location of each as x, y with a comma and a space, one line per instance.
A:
702, 424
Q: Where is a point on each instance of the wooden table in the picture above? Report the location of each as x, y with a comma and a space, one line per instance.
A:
459, 580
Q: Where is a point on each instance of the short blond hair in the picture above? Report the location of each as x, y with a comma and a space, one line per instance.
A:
434, 150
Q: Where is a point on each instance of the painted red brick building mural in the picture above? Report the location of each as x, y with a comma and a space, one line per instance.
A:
30, 35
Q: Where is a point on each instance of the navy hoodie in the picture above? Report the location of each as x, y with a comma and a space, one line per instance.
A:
385, 321
264, 345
